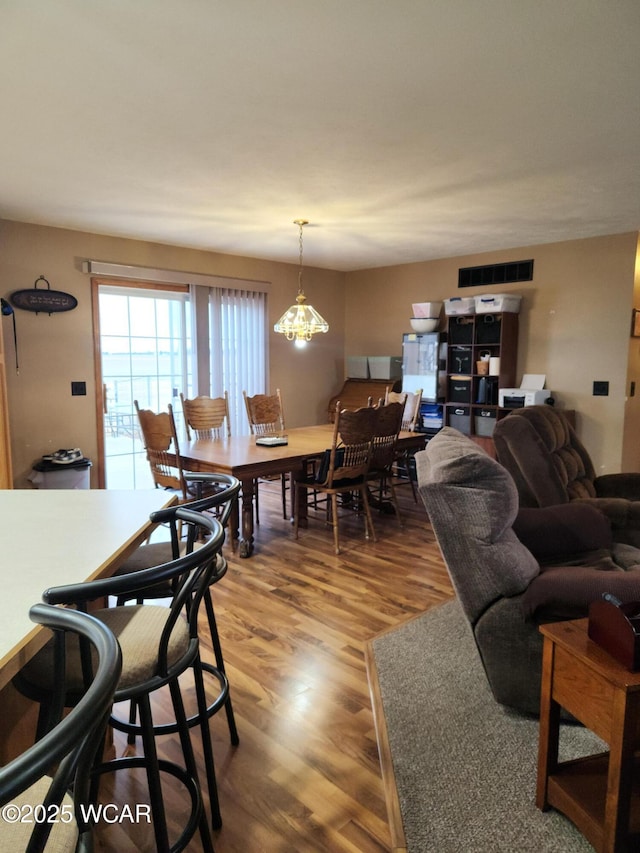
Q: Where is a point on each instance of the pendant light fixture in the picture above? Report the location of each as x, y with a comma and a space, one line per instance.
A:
301, 321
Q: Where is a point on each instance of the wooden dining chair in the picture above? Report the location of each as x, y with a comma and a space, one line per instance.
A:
411, 402
402, 468
160, 440
265, 414
206, 417
344, 468
388, 422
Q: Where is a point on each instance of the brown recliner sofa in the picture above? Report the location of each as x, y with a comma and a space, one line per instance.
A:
550, 465
514, 569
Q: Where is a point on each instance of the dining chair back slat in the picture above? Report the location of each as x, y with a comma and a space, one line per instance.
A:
349, 461
411, 401
265, 413
384, 453
160, 441
403, 467
207, 417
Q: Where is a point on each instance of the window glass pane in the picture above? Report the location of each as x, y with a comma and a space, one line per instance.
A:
114, 318
146, 353
143, 316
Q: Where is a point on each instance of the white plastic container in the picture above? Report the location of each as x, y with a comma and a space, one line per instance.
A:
385, 367
427, 310
459, 305
64, 478
496, 303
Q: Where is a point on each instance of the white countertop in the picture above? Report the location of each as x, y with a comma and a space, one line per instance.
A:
53, 537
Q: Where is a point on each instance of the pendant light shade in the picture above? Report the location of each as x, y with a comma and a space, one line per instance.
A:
301, 321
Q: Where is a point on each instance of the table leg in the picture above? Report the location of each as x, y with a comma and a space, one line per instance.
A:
234, 523
549, 731
620, 776
299, 474
246, 540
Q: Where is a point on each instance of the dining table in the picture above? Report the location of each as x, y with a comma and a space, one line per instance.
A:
243, 458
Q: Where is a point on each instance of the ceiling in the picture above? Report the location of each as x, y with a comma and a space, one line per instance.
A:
403, 130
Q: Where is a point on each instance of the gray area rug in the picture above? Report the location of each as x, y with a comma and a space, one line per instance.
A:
465, 767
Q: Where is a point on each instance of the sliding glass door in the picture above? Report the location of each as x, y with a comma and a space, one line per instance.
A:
151, 341
145, 354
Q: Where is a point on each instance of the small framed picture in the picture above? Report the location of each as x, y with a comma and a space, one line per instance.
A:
635, 323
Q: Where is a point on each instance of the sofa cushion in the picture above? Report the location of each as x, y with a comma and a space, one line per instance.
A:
472, 502
563, 533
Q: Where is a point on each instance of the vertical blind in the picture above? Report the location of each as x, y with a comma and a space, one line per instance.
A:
238, 347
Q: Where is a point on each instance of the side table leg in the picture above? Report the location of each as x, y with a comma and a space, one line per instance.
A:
620, 778
549, 732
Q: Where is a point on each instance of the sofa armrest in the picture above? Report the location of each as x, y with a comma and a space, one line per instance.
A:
624, 516
563, 533
567, 591
618, 486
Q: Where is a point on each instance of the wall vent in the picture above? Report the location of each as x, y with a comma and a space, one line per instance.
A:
495, 274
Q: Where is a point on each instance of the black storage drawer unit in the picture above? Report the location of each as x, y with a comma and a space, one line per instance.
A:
461, 330
459, 389
460, 418
485, 421
460, 359
488, 327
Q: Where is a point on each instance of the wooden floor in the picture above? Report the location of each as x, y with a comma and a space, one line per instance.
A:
294, 621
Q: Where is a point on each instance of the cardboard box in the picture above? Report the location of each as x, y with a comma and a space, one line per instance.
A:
357, 367
385, 366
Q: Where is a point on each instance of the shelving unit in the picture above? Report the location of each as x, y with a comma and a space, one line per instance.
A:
471, 398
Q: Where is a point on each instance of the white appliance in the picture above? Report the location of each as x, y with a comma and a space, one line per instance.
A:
530, 393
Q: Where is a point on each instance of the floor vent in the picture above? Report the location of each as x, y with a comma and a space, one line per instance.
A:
495, 274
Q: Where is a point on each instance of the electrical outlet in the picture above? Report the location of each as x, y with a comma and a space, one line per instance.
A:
78, 389
600, 389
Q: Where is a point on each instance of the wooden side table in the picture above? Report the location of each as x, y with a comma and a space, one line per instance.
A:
599, 793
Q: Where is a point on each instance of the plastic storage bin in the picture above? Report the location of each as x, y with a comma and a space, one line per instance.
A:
497, 303
431, 310
48, 475
431, 416
459, 305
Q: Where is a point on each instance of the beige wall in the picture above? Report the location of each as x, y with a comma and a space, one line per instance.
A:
574, 327
58, 349
631, 444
